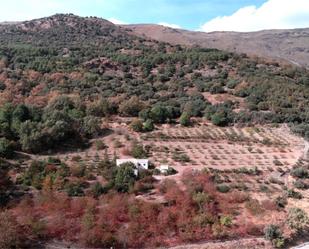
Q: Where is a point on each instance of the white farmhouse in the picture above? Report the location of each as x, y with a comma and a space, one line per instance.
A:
164, 169
139, 163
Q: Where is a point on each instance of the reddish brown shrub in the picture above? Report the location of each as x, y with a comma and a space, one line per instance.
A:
269, 205
11, 233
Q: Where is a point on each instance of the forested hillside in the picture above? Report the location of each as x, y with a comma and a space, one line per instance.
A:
106, 71
78, 93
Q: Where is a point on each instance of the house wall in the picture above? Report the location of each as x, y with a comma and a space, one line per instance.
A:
143, 163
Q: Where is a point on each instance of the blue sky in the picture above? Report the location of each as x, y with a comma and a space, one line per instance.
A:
189, 14
204, 15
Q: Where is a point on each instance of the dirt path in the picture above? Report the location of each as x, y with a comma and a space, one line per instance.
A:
303, 246
256, 243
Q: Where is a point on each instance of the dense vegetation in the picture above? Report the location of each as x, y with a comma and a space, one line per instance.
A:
110, 72
62, 76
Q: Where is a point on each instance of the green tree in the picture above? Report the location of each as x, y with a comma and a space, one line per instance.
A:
138, 151
158, 114
19, 115
131, 107
5, 120
91, 126
5, 183
219, 119
125, 177
107, 167
6, 148
185, 119
31, 136
148, 125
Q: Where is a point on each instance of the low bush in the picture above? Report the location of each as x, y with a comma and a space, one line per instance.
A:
100, 145
223, 188
137, 125
291, 193
226, 221
299, 184
181, 158
254, 207
281, 201
297, 219
11, 233
74, 189
274, 234
300, 172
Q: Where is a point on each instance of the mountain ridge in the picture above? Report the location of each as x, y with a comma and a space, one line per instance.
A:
283, 45
288, 45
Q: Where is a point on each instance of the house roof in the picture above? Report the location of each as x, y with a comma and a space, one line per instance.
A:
133, 160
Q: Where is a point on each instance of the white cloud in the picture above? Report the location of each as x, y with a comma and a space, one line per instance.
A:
115, 21
274, 14
170, 25
21, 10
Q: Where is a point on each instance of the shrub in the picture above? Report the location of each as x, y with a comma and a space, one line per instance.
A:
10, 232
219, 119
223, 188
171, 171
232, 83
91, 126
254, 207
216, 88
76, 158
131, 107
97, 190
201, 198
281, 201
278, 243
142, 186
137, 125
100, 145
184, 119
78, 170
269, 205
291, 193
148, 125
2, 86
264, 188
297, 219
277, 162
300, 172
226, 221
6, 149
181, 157
274, 234
138, 151
300, 184
74, 189
125, 177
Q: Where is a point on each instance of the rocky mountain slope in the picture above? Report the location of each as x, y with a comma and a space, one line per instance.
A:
284, 45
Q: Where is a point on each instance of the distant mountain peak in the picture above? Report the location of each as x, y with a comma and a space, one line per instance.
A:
290, 46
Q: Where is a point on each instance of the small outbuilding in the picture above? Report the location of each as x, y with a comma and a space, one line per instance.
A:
164, 168
139, 163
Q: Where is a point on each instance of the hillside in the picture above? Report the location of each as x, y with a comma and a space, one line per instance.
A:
282, 45
221, 135
98, 63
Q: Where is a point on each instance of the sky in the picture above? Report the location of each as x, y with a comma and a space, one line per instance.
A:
202, 15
